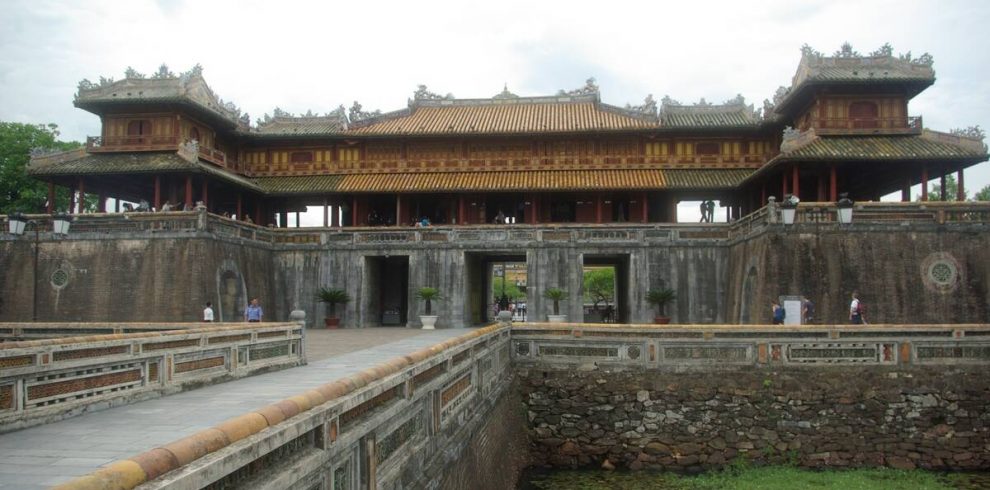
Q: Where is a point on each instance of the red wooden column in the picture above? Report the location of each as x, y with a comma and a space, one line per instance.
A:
536, 209
461, 212
257, 213
158, 193
189, 191
906, 190
833, 184
783, 185
51, 197
82, 196
354, 211
961, 190
206, 192
763, 196
240, 205
795, 182
942, 195
645, 209
598, 208
924, 183
398, 210
821, 187
335, 216
101, 207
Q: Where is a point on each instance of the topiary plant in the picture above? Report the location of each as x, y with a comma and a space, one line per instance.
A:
428, 295
556, 295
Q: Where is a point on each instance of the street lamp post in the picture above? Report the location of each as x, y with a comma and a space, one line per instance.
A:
17, 225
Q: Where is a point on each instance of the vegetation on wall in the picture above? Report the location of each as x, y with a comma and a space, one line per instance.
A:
18, 192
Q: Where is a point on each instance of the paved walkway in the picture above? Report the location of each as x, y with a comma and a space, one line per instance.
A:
47, 455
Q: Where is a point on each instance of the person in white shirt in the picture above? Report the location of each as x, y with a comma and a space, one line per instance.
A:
208, 312
855, 316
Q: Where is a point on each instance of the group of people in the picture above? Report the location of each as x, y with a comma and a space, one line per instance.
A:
252, 314
707, 211
856, 311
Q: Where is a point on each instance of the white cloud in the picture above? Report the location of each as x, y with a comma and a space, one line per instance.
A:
318, 55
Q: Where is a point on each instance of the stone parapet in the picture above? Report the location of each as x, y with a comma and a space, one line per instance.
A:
42, 381
399, 424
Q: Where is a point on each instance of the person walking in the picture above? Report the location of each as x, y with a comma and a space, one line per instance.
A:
807, 310
208, 312
856, 310
253, 313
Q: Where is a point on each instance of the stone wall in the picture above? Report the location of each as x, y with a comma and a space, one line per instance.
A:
496, 455
927, 417
916, 274
130, 279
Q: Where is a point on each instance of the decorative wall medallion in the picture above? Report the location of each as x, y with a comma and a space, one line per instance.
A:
59, 278
633, 352
941, 272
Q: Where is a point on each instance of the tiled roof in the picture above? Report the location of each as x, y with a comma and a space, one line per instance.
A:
295, 126
81, 163
882, 148
707, 116
545, 180
503, 117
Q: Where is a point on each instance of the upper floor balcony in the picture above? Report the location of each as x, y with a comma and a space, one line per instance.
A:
132, 143
866, 125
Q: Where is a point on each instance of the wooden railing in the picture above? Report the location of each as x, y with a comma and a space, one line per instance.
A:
108, 144
870, 125
46, 380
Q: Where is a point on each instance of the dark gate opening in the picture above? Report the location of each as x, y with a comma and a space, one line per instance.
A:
387, 298
492, 277
606, 289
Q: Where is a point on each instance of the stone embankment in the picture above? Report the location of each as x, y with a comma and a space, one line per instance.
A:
691, 421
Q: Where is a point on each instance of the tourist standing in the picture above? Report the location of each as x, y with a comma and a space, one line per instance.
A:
253, 313
208, 312
855, 310
778, 313
807, 310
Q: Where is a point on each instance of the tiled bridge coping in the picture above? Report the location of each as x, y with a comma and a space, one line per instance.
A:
46, 380
235, 443
49, 330
149, 465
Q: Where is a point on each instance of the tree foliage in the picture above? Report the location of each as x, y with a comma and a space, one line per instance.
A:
983, 194
935, 190
511, 290
18, 192
599, 286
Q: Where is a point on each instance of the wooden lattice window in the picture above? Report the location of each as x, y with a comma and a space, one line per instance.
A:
707, 149
301, 157
863, 114
137, 129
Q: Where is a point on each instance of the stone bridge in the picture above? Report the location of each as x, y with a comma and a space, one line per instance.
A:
469, 408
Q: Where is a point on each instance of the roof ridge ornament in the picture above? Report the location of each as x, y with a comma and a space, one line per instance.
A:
163, 72
356, 114
649, 107
589, 88
505, 94
422, 93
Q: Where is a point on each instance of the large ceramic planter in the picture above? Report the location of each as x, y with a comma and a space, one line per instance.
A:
331, 322
557, 318
661, 320
788, 215
429, 321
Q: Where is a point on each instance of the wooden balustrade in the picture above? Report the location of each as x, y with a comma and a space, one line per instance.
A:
870, 125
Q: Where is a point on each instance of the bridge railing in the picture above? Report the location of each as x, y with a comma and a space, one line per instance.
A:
707, 346
48, 330
46, 380
369, 427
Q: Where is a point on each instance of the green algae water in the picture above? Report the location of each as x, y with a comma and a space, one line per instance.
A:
765, 478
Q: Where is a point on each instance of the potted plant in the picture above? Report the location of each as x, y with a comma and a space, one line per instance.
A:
429, 295
332, 297
844, 208
661, 297
556, 295
788, 208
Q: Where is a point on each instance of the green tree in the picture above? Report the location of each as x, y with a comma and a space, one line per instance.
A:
951, 188
983, 194
511, 290
599, 286
18, 192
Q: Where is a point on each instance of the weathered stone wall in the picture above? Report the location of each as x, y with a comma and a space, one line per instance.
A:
123, 279
496, 455
921, 274
932, 417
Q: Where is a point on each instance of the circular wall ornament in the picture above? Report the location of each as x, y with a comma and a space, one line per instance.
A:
633, 352
59, 278
941, 272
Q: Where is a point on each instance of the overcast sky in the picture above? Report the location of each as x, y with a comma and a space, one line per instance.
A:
318, 55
